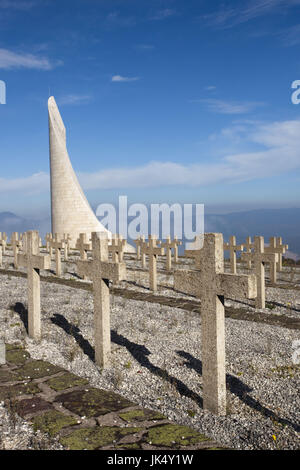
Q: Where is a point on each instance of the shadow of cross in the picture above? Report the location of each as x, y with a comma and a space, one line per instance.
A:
280, 250
33, 262
152, 250
233, 248
211, 284
100, 270
16, 245
57, 244
259, 257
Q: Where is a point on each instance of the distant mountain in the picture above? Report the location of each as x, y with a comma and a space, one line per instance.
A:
10, 222
283, 223
266, 222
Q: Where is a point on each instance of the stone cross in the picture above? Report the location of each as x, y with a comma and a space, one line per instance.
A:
100, 270
139, 243
66, 239
259, 258
233, 248
169, 245
211, 284
280, 250
16, 245
3, 240
49, 238
57, 244
83, 246
1, 255
280, 245
152, 250
116, 248
175, 244
248, 246
34, 262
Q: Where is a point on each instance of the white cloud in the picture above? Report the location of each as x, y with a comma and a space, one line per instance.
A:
279, 153
228, 107
163, 14
36, 183
119, 78
16, 4
74, 99
13, 60
229, 17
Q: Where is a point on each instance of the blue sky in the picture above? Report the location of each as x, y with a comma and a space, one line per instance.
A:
163, 101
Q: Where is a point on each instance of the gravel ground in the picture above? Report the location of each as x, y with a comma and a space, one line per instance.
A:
156, 361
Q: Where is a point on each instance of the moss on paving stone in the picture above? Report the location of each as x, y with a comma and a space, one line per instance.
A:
172, 434
10, 347
141, 415
17, 356
36, 370
32, 405
7, 376
52, 422
92, 402
16, 390
94, 438
65, 381
128, 446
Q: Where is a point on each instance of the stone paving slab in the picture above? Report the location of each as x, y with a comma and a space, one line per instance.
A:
62, 404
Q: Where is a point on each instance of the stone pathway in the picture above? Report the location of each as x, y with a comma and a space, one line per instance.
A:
63, 405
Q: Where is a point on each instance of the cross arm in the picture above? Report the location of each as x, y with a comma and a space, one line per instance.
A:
114, 272
237, 285
84, 268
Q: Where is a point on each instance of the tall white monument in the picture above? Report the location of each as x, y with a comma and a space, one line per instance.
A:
70, 210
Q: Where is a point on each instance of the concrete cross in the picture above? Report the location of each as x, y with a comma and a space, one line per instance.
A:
49, 238
57, 244
248, 246
169, 245
211, 284
152, 250
139, 243
175, 244
116, 248
67, 240
101, 271
233, 248
3, 241
259, 258
34, 262
280, 245
16, 245
273, 248
83, 246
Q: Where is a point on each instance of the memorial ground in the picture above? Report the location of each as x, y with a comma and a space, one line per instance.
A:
156, 361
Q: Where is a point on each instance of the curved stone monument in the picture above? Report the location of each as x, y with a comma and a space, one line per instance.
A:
70, 210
